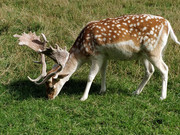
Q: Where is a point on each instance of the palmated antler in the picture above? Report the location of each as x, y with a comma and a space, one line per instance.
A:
32, 40
59, 55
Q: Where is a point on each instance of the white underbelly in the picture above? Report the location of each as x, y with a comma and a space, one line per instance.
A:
123, 50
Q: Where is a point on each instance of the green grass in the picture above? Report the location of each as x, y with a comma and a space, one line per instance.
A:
23, 106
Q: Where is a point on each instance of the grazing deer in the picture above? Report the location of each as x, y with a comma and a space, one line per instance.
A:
125, 38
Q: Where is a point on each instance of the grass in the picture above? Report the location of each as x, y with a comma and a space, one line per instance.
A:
23, 107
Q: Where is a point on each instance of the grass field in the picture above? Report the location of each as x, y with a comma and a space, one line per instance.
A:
23, 106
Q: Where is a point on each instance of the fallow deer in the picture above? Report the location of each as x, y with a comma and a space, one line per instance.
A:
127, 37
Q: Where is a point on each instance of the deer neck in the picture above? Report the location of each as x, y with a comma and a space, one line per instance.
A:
71, 65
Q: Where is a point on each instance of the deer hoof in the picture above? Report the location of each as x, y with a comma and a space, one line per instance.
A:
83, 98
136, 93
162, 98
102, 92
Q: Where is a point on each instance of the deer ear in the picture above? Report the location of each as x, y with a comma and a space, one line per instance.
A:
62, 76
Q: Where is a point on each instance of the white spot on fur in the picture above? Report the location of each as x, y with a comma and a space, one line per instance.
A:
96, 36
147, 18
87, 49
125, 24
146, 37
151, 32
118, 25
131, 25
131, 29
145, 28
104, 39
99, 39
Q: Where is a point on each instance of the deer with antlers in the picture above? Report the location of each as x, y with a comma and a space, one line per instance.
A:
127, 37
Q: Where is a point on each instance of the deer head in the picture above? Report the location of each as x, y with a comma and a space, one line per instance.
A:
59, 55
55, 83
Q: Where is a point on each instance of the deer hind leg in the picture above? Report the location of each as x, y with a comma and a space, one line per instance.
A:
156, 59
103, 75
149, 70
163, 68
95, 67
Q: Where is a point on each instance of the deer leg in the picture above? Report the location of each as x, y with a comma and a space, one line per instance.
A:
149, 70
103, 75
95, 67
163, 68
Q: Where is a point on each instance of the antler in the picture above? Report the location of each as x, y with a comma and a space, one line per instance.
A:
50, 74
43, 74
43, 62
32, 40
59, 55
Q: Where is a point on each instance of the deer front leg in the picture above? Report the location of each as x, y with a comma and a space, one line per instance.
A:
149, 70
96, 65
103, 79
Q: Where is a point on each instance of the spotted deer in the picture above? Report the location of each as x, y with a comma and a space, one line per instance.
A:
127, 37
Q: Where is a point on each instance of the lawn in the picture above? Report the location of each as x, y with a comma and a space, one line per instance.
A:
23, 106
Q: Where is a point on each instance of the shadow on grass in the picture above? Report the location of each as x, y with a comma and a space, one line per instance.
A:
24, 89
